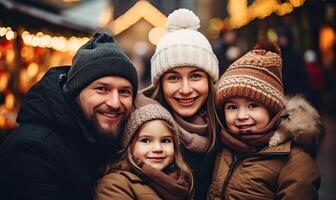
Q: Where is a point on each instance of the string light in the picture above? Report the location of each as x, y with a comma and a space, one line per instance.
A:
142, 9
58, 43
241, 14
40, 39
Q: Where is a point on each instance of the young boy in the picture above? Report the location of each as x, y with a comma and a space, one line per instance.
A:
255, 119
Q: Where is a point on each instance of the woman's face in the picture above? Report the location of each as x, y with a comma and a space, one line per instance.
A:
185, 89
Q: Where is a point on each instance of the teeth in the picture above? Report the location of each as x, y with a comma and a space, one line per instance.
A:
110, 114
245, 126
186, 100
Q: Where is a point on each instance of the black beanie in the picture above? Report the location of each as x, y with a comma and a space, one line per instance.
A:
97, 58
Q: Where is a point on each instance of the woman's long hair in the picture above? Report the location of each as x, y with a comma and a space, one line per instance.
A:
210, 109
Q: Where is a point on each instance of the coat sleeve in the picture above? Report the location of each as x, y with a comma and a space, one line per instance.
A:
114, 186
299, 178
28, 170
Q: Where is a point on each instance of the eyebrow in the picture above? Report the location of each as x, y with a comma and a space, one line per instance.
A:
150, 136
193, 71
109, 85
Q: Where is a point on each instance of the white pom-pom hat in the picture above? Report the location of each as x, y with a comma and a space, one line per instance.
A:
182, 46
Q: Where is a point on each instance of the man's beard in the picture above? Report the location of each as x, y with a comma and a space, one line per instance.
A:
111, 134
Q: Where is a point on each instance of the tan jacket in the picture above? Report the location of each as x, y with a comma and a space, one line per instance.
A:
282, 172
124, 185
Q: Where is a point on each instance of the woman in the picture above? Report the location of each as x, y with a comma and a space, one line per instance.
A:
184, 70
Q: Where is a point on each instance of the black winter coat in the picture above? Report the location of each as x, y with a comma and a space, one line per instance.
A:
53, 154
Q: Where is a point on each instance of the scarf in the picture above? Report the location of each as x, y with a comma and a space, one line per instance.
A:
194, 132
171, 185
249, 141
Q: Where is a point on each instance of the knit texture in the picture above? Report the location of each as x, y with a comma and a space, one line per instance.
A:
142, 115
257, 76
97, 58
182, 46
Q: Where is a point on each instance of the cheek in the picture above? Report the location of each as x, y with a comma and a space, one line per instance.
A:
168, 89
139, 151
229, 118
128, 103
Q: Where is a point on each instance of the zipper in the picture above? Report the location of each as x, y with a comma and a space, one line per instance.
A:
238, 160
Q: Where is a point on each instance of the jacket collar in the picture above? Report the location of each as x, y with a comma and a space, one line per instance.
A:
282, 149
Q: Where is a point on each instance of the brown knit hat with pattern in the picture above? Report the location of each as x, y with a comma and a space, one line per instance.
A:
256, 75
142, 115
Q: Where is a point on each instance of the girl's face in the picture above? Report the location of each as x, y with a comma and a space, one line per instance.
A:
242, 114
154, 145
185, 89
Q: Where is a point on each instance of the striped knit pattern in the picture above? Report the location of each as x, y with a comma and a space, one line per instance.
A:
142, 115
257, 76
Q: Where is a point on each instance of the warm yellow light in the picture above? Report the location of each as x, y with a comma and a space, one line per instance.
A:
142, 9
9, 101
3, 81
156, 34
58, 43
10, 35
296, 3
284, 9
10, 55
2, 120
216, 23
327, 38
32, 69
272, 35
239, 15
3, 31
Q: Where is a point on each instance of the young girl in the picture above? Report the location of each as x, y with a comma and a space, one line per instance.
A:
250, 98
151, 166
183, 71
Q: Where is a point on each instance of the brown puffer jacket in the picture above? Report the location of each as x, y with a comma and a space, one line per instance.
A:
281, 172
287, 171
124, 185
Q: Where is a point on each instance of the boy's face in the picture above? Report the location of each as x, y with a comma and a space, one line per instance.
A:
154, 145
242, 115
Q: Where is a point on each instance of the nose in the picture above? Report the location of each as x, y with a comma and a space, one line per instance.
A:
185, 87
157, 147
113, 100
242, 114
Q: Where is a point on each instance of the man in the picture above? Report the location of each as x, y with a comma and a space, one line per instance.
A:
69, 125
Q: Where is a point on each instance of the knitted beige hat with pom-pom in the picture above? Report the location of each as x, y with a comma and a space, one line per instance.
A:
257, 75
182, 46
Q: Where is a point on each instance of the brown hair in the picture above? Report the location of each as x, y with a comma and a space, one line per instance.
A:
179, 163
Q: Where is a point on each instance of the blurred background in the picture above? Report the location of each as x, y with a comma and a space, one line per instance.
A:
38, 34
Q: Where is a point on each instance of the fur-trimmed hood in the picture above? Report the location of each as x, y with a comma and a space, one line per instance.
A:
302, 122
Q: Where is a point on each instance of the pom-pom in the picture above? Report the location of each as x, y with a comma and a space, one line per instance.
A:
268, 46
182, 19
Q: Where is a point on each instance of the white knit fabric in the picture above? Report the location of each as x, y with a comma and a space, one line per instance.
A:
182, 46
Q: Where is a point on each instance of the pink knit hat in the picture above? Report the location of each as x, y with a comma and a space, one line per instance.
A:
146, 111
